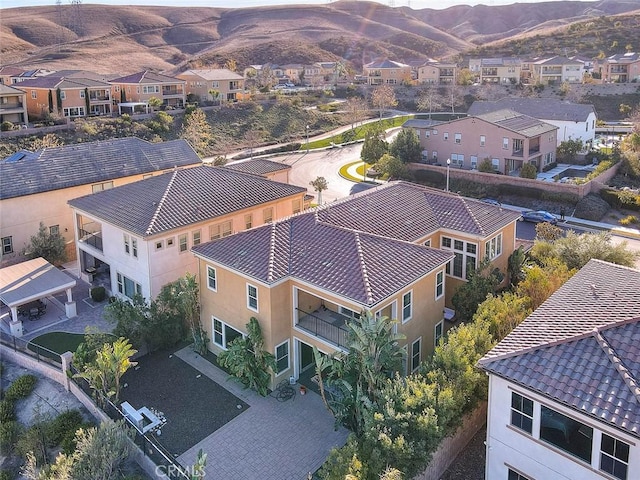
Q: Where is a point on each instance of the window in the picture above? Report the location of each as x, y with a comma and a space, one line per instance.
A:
348, 312
406, 307
7, 245
566, 433
505, 143
474, 162
252, 297
212, 281
457, 159
54, 230
127, 243
170, 242
296, 205
457, 138
99, 187
483, 140
513, 475
196, 237
134, 247
439, 284
445, 136
159, 245
464, 261
182, 243
224, 334
437, 333
150, 89
63, 95
34, 94
521, 412
73, 112
248, 221
128, 287
614, 457
495, 163
282, 357
493, 248
415, 354
435, 131
427, 243
220, 230
267, 215
434, 155
81, 93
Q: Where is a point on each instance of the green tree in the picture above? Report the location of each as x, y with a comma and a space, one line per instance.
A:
542, 281
515, 266
319, 185
154, 103
528, 171
130, 318
197, 131
502, 313
48, 245
383, 97
86, 352
247, 360
374, 146
568, 149
406, 146
215, 95
486, 166
391, 166
481, 282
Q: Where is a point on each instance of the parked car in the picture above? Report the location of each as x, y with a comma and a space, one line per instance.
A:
491, 201
539, 216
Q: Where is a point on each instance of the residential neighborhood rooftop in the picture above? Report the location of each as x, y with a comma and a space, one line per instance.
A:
542, 108
180, 198
145, 76
258, 166
581, 346
214, 74
517, 122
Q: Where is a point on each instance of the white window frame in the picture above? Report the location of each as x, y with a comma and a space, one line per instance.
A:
63, 95
463, 252
127, 243
457, 138
54, 230
406, 318
183, 243
438, 332
7, 245
222, 333
505, 143
445, 136
34, 94
440, 284
493, 247
287, 356
120, 281
483, 140
474, 162
210, 269
134, 247
248, 221
250, 297
159, 244
170, 242
81, 93
413, 355
196, 238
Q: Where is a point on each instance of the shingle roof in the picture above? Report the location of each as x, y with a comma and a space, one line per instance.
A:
146, 77
409, 212
362, 267
183, 197
517, 122
55, 80
628, 57
214, 74
9, 90
558, 60
258, 166
542, 108
582, 346
27, 173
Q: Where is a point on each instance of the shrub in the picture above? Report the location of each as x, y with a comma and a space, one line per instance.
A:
591, 207
6, 126
7, 475
21, 387
628, 220
7, 411
98, 294
8, 435
528, 171
63, 427
621, 199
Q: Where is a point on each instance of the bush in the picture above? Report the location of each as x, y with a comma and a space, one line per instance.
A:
7, 475
7, 411
629, 220
63, 428
21, 387
528, 171
621, 199
6, 126
98, 294
591, 207
9, 432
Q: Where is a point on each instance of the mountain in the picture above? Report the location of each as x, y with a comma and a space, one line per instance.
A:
126, 39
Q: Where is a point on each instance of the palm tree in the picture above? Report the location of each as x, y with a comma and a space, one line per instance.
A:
319, 184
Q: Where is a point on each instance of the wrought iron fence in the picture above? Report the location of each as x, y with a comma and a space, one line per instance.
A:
33, 350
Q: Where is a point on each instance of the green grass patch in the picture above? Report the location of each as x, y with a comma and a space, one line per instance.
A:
53, 344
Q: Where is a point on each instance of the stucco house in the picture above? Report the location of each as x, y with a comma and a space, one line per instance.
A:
504, 71
557, 70
575, 121
509, 139
439, 73
620, 68
36, 186
134, 239
227, 85
398, 250
386, 72
563, 386
141, 86
276, 171
13, 105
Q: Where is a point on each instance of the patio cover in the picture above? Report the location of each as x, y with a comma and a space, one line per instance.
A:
31, 280
132, 106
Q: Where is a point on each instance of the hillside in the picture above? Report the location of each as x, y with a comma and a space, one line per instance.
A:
129, 38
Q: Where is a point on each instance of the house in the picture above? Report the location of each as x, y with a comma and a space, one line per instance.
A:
292, 73
557, 70
36, 186
398, 250
141, 86
509, 139
13, 105
70, 95
275, 171
563, 386
204, 84
575, 121
138, 235
504, 71
386, 72
439, 73
9, 75
620, 68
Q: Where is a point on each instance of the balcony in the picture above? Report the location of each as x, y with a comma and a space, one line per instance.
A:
167, 91
91, 238
99, 98
326, 324
11, 106
534, 149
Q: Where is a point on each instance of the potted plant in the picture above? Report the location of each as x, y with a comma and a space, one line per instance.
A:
303, 390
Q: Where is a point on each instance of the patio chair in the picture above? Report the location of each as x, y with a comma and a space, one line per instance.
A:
34, 313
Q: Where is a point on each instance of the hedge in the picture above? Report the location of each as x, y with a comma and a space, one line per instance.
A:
621, 198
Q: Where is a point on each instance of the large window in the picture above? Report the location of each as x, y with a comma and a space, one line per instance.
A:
406, 307
212, 280
182, 243
220, 230
493, 248
566, 433
7, 245
439, 284
73, 112
128, 287
614, 457
224, 334
252, 297
415, 354
437, 333
282, 357
521, 412
464, 261
457, 138
99, 187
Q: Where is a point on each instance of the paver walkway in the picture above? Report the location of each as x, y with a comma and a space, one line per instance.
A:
271, 440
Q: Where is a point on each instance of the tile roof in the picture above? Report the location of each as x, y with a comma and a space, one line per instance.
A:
517, 122
628, 57
409, 212
581, 347
541, 108
558, 60
85, 163
258, 166
214, 74
55, 80
146, 77
10, 90
180, 198
361, 267
386, 63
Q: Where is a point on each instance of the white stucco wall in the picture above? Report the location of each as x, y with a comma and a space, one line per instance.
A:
584, 131
510, 447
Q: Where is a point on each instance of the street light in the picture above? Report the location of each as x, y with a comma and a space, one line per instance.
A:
448, 165
307, 138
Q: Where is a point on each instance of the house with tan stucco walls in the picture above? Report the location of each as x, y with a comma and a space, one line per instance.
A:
204, 83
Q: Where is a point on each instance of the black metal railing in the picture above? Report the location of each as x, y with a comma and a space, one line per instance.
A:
33, 350
91, 238
334, 331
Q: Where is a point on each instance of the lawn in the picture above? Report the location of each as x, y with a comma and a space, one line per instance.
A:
55, 344
194, 405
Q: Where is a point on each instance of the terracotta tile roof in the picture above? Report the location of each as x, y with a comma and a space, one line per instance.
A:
214, 74
258, 166
27, 173
362, 267
146, 77
582, 346
542, 108
182, 197
517, 122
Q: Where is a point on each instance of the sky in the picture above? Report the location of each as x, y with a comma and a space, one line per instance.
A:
415, 4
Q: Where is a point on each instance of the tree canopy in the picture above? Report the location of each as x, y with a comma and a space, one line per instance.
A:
406, 146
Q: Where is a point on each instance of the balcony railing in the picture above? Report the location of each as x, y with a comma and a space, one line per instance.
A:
172, 91
11, 106
99, 98
325, 324
91, 238
534, 150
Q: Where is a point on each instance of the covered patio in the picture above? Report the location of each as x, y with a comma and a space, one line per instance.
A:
24, 285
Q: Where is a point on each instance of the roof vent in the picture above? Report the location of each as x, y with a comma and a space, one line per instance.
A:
594, 290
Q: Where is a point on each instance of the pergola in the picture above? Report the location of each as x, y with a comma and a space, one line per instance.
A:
132, 106
32, 280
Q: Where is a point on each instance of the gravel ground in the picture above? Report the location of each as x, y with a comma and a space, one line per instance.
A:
469, 465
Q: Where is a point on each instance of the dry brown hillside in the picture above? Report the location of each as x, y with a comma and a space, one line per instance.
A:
125, 39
